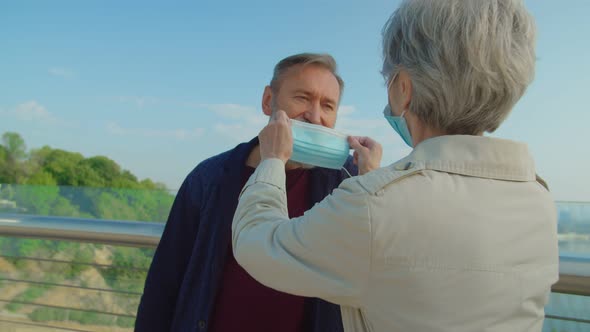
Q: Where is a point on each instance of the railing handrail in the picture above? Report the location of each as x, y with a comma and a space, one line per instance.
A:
574, 268
112, 232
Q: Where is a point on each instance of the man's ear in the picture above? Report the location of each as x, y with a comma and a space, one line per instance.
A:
267, 100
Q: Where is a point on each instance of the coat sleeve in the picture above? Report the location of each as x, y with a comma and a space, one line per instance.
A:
157, 306
325, 253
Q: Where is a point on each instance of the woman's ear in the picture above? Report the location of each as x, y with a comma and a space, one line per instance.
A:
405, 89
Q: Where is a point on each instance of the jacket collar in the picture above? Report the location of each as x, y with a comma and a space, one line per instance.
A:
477, 156
238, 156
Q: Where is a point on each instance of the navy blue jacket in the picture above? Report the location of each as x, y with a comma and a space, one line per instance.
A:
185, 274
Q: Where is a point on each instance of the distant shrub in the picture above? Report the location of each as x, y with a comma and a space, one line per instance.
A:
48, 314
13, 307
29, 295
125, 322
91, 318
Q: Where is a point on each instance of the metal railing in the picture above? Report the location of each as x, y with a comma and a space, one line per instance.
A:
97, 297
574, 275
113, 232
574, 268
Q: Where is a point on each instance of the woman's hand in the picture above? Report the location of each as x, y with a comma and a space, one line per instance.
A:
276, 139
367, 153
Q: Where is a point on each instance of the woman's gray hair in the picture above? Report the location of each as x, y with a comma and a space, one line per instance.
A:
469, 61
323, 60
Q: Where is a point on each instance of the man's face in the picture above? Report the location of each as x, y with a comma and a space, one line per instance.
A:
306, 93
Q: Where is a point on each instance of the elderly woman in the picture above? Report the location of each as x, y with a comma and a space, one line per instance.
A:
458, 236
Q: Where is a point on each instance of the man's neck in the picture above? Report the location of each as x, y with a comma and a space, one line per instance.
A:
254, 160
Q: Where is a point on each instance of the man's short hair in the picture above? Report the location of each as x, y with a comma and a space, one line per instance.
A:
322, 60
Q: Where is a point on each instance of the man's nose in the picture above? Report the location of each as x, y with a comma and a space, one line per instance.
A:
314, 115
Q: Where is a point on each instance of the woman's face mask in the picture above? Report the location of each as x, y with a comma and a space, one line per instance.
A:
398, 123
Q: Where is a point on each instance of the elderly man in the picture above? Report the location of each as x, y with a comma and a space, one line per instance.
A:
194, 282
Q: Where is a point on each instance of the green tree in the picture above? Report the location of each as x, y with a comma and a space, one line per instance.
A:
4, 175
86, 176
62, 166
62, 183
64, 208
42, 178
129, 268
37, 199
15, 146
90, 187
106, 168
40, 154
14, 151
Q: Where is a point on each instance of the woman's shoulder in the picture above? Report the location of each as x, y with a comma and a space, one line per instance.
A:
375, 181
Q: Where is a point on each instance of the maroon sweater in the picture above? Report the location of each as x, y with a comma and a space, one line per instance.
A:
243, 304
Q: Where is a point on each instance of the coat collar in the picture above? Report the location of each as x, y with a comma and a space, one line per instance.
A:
478, 156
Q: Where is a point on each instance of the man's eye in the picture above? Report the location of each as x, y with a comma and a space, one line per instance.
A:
329, 107
301, 97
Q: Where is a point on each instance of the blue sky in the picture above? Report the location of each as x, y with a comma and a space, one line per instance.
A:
158, 87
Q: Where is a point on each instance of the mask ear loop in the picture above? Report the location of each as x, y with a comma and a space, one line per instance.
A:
346, 172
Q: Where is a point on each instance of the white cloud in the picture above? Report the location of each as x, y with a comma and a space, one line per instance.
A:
237, 122
351, 123
139, 101
237, 132
231, 111
345, 110
61, 72
33, 111
180, 134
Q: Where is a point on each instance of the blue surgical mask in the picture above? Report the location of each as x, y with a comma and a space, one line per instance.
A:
398, 123
319, 146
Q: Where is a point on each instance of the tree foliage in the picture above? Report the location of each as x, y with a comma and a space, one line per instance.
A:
56, 182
